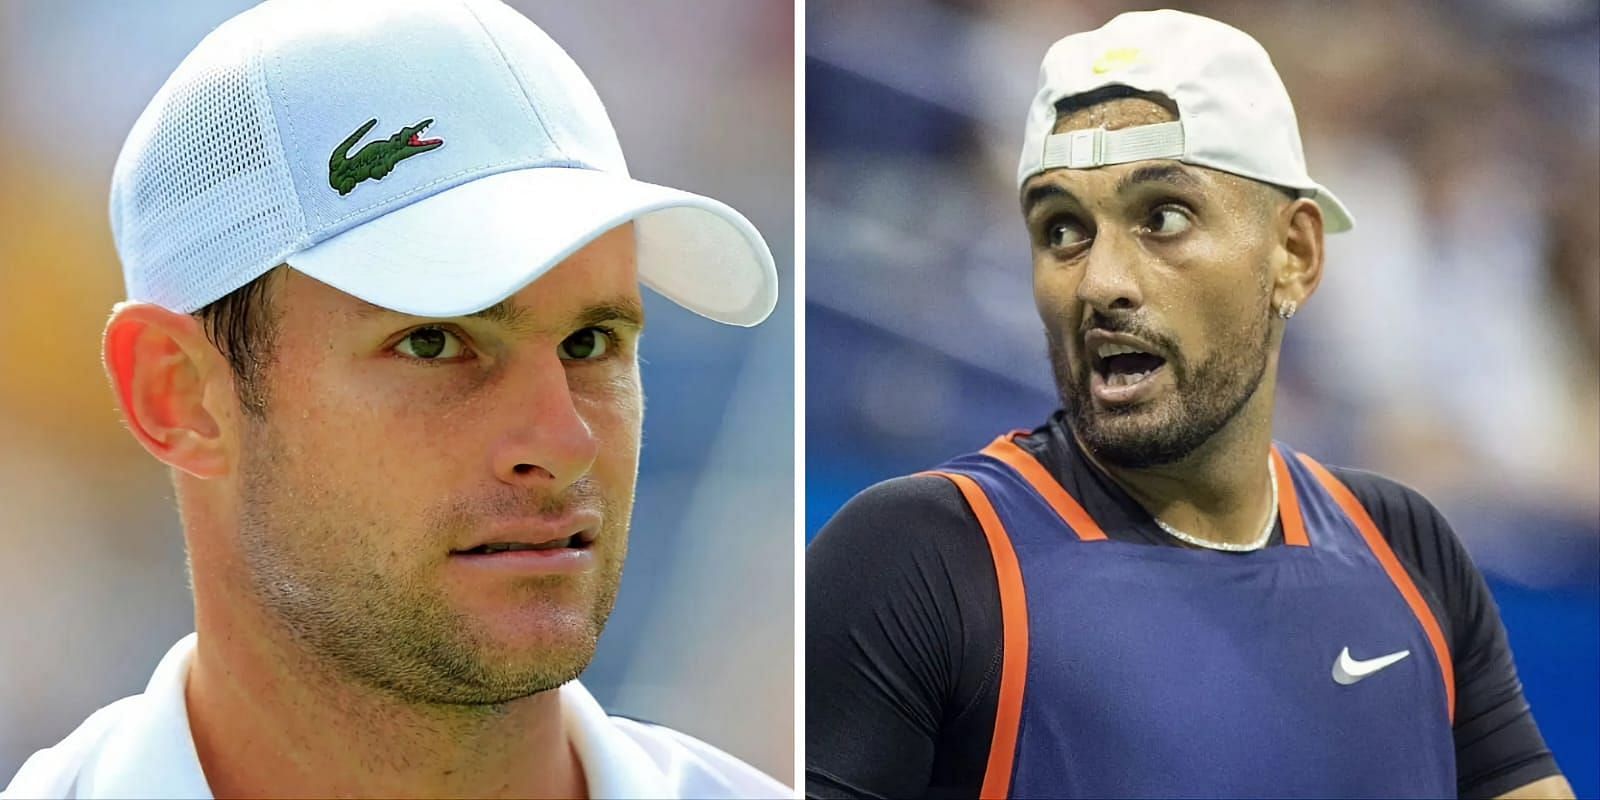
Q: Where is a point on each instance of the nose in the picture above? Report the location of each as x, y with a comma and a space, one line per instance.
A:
1110, 274
549, 446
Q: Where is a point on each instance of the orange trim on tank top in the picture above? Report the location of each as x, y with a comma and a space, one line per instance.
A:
1014, 624
1294, 525
1011, 454
1397, 575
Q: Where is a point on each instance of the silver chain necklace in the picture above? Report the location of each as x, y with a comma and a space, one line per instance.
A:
1260, 542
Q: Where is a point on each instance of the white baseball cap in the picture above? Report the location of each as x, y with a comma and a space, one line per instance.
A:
1233, 113
428, 156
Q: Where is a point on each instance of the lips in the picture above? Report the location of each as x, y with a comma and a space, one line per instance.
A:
575, 531
1123, 368
506, 547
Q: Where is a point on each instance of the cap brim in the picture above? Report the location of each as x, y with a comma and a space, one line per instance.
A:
1335, 217
469, 247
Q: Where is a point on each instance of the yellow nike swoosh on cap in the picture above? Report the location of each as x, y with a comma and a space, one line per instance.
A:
1114, 59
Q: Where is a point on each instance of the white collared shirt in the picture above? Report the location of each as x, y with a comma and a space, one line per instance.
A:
140, 746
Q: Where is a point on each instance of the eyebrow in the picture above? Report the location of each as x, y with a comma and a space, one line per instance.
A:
626, 311
1041, 193
502, 313
623, 309
1158, 173
1170, 174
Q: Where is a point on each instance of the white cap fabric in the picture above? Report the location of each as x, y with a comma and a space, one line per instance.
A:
1233, 113
427, 156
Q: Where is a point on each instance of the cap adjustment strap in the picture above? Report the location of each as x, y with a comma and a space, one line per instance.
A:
1097, 147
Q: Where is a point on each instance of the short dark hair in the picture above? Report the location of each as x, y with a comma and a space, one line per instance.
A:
242, 324
1117, 91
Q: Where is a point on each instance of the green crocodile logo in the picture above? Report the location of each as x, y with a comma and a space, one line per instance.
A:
377, 158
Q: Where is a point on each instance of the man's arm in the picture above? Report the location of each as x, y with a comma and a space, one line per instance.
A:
1498, 745
1554, 787
898, 622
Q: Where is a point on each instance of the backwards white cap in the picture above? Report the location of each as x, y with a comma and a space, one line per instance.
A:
1233, 113
427, 156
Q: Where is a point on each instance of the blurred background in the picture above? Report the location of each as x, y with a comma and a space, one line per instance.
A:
1454, 343
92, 582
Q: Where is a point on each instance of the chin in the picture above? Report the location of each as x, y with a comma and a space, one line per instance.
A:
539, 627
1133, 438
505, 660
530, 673
1125, 449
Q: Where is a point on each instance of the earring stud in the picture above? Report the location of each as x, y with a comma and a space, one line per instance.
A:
1287, 308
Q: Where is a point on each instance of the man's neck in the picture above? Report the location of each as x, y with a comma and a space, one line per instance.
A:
1221, 492
267, 724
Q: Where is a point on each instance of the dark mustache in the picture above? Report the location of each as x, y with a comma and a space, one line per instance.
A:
1126, 322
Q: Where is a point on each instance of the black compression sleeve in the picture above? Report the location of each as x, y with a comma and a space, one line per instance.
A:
1498, 744
902, 622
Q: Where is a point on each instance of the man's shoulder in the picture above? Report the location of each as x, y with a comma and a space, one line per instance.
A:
63, 769
912, 525
906, 504
699, 769
1390, 502
1416, 532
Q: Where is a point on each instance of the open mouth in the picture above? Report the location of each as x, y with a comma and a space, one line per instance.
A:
1121, 365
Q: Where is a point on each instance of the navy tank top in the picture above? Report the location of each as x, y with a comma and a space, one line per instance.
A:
1132, 670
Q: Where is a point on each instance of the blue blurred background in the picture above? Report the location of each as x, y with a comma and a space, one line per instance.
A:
92, 583
1454, 343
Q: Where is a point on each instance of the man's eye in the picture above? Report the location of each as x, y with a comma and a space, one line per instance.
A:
587, 345
1065, 234
1168, 220
430, 344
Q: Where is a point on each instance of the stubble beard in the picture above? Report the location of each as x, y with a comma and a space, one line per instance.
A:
393, 633
1206, 397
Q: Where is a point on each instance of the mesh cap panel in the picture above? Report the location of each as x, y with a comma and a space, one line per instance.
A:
207, 205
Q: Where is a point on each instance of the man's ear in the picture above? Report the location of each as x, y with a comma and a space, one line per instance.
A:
1300, 268
171, 384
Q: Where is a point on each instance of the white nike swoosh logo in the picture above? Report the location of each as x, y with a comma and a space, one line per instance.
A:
1347, 670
